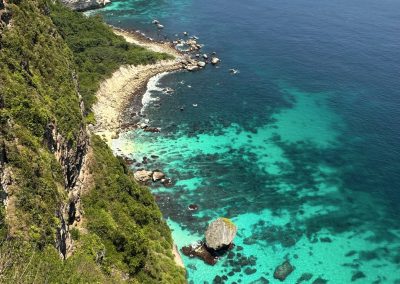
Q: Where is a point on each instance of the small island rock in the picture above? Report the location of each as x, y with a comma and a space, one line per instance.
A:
215, 60
220, 233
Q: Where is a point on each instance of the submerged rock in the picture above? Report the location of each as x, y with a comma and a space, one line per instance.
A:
320, 280
261, 280
142, 175
152, 129
282, 271
193, 207
200, 250
304, 278
220, 233
357, 275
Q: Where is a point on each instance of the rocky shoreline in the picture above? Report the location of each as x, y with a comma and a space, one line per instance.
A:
115, 93
112, 107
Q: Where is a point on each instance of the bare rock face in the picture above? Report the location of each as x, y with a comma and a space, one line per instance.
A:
83, 5
220, 233
143, 175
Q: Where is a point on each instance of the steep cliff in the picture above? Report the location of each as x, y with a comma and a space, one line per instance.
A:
71, 211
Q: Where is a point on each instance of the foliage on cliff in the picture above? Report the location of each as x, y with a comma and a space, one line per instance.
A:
48, 55
97, 50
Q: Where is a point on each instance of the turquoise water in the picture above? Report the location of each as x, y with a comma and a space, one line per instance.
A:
300, 149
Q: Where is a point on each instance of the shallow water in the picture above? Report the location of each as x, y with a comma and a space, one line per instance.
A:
300, 149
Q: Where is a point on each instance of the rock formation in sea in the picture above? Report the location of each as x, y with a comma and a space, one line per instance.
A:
220, 233
219, 239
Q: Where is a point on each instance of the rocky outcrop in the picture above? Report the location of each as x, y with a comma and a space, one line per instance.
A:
83, 5
282, 271
143, 175
220, 233
157, 175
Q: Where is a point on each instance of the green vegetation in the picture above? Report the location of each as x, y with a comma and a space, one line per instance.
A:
97, 50
48, 56
125, 217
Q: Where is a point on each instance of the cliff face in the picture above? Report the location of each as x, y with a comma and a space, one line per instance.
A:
83, 5
63, 192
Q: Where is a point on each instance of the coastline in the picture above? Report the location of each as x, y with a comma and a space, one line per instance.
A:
128, 81
115, 93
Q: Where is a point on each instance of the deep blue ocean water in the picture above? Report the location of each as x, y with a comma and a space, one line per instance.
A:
301, 149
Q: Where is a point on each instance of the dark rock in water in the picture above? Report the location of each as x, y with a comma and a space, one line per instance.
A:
220, 233
231, 273
282, 271
325, 240
357, 275
224, 277
152, 129
167, 182
250, 271
154, 156
208, 255
217, 279
351, 253
304, 277
193, 207
320, 280
261, 280
237, 269
249, 241
129, 161
239, 248
231, 255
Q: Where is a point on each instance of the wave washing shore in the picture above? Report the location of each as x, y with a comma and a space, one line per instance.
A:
115, 93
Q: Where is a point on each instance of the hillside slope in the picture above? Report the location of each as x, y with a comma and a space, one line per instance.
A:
71, 212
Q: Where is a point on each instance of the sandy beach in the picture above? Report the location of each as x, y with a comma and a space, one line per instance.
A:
129, 80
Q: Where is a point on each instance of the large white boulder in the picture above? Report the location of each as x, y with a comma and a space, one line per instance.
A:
220, 233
